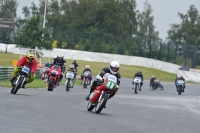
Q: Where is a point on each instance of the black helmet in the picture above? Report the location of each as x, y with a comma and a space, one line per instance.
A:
139, 72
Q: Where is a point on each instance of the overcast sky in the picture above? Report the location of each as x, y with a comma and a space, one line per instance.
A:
164, 11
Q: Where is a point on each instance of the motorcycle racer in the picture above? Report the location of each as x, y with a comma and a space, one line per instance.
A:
139, 74
180, 78
112, 69
87, 68
60, 62
30, 61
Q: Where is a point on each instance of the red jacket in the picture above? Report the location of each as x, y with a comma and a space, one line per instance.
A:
32, 66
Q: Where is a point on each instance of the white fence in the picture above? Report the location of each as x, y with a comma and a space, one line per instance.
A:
103, 57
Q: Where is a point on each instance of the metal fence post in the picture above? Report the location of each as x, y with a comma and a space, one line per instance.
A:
168, 51
194, 57
175, 52
160, 51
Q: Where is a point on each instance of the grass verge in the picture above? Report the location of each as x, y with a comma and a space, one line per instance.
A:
125, 70
37, 83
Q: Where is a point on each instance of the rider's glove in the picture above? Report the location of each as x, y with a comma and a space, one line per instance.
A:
99, 81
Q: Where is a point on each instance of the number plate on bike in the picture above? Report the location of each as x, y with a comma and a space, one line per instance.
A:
25, 69
54, 72
44, 70
85, 74
69, 75
110, 85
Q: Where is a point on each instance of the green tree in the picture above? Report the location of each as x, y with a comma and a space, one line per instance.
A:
187, 32
30, 36
8, 13
146, 34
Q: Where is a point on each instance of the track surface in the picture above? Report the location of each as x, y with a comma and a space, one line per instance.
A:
40, 111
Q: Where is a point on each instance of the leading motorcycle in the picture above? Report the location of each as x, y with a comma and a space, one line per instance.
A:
20, 79
100, 95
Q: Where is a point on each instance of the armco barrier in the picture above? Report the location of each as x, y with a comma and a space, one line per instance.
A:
5, 73
190, 76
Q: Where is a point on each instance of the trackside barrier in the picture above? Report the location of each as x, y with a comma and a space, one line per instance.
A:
106, 58
190, 76
5, 73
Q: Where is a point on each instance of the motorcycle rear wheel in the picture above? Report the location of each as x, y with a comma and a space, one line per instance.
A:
90, 107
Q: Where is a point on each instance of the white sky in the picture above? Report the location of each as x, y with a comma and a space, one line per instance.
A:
164, 11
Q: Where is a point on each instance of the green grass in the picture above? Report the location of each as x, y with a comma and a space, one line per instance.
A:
125, 70
37, 83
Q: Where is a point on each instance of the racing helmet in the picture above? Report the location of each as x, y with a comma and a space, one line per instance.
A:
60, 56
114, 67
30, 57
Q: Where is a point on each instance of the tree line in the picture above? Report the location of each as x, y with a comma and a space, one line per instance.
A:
108, 26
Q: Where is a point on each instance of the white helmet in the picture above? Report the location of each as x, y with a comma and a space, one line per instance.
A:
114, 67
60, 56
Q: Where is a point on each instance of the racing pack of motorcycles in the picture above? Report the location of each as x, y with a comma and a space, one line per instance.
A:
98, 98
180, 84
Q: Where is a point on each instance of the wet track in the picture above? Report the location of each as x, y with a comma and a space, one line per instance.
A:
40, 111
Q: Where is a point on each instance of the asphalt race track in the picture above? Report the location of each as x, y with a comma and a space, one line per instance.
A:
40, 111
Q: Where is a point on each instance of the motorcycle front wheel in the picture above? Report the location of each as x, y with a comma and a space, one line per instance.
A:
90, 107
179, 90
17, 86
136, 90
85, 83
50, 84
67, 85
102, 102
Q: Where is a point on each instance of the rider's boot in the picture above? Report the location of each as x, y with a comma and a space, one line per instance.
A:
23, 86
45, 80
12, 80
91, 90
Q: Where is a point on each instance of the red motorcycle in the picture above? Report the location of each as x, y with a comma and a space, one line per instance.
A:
54, 76
99, 96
